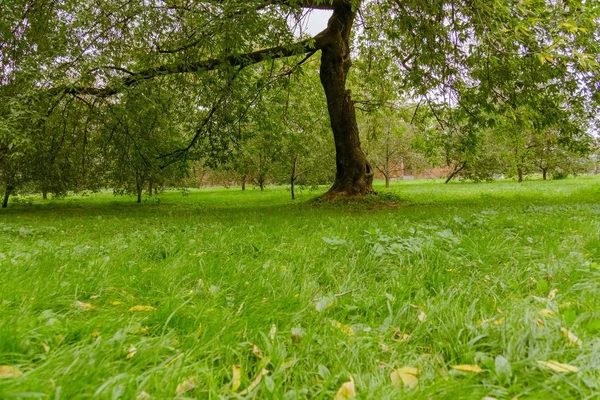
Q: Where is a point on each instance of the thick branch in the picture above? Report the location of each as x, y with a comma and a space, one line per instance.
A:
242, 60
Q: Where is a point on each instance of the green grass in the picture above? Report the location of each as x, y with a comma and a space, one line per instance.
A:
223, 267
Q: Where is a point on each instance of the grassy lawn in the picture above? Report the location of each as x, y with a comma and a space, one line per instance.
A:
303, 296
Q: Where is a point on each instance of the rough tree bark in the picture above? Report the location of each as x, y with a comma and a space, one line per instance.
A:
7, 193
150, 188
354, 176
44, 195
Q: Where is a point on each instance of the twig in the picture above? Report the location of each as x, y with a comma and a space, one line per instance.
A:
347, 292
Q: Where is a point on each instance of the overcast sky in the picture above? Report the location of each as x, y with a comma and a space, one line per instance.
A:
316, 21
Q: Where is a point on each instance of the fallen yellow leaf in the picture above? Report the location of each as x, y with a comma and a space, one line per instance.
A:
131, 353
117, 303
539, 322
255, 382
185, 386
468, 368
6, 371
143, 396
236, 380
405, 376
142, 308
558, 367
272, 332
256, 351
85, 306
422, 316
546, 313
552, 294
346, 391
499, 321
573, 340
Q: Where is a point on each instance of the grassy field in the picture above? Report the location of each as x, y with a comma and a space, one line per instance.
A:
104, 298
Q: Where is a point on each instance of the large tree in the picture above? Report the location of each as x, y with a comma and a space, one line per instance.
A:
480, 55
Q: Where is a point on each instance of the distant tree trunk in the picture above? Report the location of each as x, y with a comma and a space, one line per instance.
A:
354, 176
457, 169
139, 188
243, 182
293, 176
44, 195
150, 188
7, 193
520, 173
261, 184
402, 168
544, 173
387, 164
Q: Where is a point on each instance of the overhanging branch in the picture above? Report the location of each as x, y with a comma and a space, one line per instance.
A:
242, 60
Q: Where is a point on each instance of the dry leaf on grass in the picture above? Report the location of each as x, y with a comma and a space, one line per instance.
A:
6, 371
558, 367
467, 368
405, 376
185, 386
131, 352
236, 379
346, 391
84, 306
573, 340
255, 382
143, 396
142, 308
546, 313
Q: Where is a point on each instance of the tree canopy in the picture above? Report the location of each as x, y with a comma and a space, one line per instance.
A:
531, 64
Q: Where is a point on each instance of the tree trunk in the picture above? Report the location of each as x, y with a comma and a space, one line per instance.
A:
354, 176
387, 181
139, 188
544, 173
520, 173
150, 188
244, 182
261, 184
7, 193
402, 168
293, 176
456, 171
44, 195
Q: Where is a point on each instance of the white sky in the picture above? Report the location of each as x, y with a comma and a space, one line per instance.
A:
316, 21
